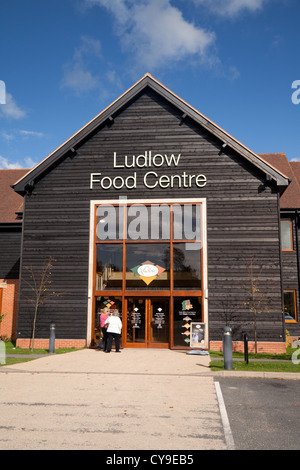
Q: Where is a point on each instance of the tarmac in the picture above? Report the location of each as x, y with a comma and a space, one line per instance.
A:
139, 399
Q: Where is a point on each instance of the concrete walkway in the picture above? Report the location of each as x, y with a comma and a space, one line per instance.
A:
136, 400
140, 399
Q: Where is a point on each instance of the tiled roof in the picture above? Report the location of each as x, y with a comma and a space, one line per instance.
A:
291, 196
10, 201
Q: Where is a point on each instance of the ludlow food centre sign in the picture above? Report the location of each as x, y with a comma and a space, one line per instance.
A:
150, 179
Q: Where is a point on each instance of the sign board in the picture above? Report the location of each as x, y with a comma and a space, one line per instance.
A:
197, 336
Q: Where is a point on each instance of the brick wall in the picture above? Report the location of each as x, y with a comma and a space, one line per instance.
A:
10, 289
262, 347
40, 343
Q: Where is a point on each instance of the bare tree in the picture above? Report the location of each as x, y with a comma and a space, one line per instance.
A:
256, 300
41, 289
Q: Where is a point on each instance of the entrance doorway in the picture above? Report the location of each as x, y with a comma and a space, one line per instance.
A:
147, 322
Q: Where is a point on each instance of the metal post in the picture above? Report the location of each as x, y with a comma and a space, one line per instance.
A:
246, 348
227, 347
52, 339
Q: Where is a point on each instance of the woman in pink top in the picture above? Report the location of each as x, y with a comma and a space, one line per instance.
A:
103, 318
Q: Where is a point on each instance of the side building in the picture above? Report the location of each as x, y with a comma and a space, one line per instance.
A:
11, 212
290, 241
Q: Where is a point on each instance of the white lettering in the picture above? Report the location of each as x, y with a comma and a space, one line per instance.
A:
92, 180
145, 179
2, 92
172, 159
201, 181
296, 94
115, 162
159, 157
147, 270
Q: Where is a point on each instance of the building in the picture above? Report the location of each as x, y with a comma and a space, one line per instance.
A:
11, 209
153, 210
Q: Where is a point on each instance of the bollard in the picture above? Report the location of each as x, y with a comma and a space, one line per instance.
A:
246, 348
227, 347
52, 339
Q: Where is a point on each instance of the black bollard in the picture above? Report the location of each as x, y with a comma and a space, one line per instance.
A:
246, 348
227, 347
52, 339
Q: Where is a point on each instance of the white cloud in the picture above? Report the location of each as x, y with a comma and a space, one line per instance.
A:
77, 75
6, 165
31, 133
232, 8
29, 162
7, 136
11, 109
156, 32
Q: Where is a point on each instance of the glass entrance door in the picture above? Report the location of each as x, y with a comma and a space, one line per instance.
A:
147, 322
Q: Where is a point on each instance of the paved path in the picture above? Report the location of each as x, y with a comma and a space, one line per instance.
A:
141, 399
136, 400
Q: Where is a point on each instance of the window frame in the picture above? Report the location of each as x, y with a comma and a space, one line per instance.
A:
295, 305
291, 235
169, 293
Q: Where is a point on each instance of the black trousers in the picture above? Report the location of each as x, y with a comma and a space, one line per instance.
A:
103, 342
110, 338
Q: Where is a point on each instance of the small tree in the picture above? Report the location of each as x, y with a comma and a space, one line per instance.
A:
40, 286
256, 300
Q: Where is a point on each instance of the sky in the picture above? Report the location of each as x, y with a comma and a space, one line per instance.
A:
64, 61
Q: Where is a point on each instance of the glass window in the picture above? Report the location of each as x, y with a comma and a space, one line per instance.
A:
109, 223
148, 222
114, 304
187, 266
290, 305
148, 266
109, 269
186, 310
286, 234
186, 221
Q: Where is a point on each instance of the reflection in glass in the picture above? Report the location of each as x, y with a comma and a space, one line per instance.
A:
159, 321
148, 222
286, 235
186, 310
114, 304
187, 266
186, 222
148, 266
289, 305
109, 223
136, 320
109, 266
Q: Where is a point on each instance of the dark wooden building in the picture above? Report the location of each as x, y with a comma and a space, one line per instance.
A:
154, 211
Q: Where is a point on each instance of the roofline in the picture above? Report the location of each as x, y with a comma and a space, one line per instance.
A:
187, 109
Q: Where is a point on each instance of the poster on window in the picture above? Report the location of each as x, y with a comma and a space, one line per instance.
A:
197, 336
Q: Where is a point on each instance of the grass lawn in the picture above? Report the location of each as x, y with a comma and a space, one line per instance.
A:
271, 362
263, 366
10, 348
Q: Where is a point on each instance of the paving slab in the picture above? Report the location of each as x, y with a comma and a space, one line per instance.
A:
143, 399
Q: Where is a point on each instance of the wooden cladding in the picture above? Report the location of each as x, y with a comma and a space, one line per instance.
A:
242, 219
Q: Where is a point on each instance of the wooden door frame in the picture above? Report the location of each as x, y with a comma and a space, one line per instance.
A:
147, 343
91, 279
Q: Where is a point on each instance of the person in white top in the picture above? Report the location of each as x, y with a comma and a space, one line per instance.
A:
114, 329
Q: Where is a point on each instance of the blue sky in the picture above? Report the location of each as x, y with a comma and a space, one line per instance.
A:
63, 61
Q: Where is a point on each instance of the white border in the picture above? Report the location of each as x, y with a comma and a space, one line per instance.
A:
93, 203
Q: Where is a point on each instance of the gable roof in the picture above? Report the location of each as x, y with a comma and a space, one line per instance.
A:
108, 114
10, 201
290, 199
